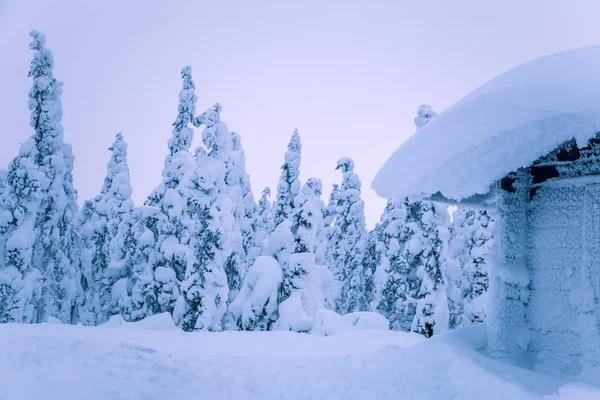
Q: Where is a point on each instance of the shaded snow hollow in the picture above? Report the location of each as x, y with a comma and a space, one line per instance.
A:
506, 124
54, 361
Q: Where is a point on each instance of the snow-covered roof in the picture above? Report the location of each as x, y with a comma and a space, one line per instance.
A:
505, 124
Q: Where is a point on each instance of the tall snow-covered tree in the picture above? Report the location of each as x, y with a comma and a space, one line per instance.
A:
216, 274
471, 241
348, 242
100, 219
432, 310
52, 240
424, 115
289, 182
249, 220
204, 291
178, 160
162, 249
401, 244
218, 141
304, 282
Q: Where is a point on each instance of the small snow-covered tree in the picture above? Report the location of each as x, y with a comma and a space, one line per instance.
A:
289, 182
99, 220
265, 220
424, 114
348, 242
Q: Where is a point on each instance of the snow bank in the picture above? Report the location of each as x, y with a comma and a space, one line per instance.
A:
157, 322
505, 124
327, 322
75, 362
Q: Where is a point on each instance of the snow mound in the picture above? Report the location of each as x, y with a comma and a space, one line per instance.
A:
327, 322
292, 316
504, 125
157, 322
256, 301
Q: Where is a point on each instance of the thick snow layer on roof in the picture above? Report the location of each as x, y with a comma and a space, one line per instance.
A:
505, 124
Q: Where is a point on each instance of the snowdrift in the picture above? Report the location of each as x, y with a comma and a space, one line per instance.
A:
55, 361
505, 124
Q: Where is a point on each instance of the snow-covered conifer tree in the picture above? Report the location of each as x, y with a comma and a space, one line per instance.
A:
19, 279
178, 160
100, 219
215, 275
162, 248
289, 182
218, 141
54, 240
204, 292
329, 214
348, 242
424, 114
471, 241
249, 220
432, 315
321, 230
401, 245
265, 220
432, 312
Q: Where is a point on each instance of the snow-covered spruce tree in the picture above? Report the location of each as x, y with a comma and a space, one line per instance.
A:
321, 230
19, 279
424, 114
56, 240
375, 257
401, 243
302, 290
215, 276
265, 220
329, 214
289, 182
348, 242
178, 160
99, 220
304, 223
432, 312
249, 220
471, 241
204, 292
162, 250
218, 141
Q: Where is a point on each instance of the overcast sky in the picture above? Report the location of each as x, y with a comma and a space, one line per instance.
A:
349, 75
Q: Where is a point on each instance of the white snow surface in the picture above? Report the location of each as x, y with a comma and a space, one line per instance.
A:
55, 361
504, 125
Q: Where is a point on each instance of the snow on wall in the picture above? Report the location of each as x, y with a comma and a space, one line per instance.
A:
508, 294
564, 246
504, 125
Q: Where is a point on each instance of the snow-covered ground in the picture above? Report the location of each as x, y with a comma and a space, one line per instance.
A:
153, 360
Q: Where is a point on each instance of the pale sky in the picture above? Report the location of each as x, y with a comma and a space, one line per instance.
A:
349, 75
